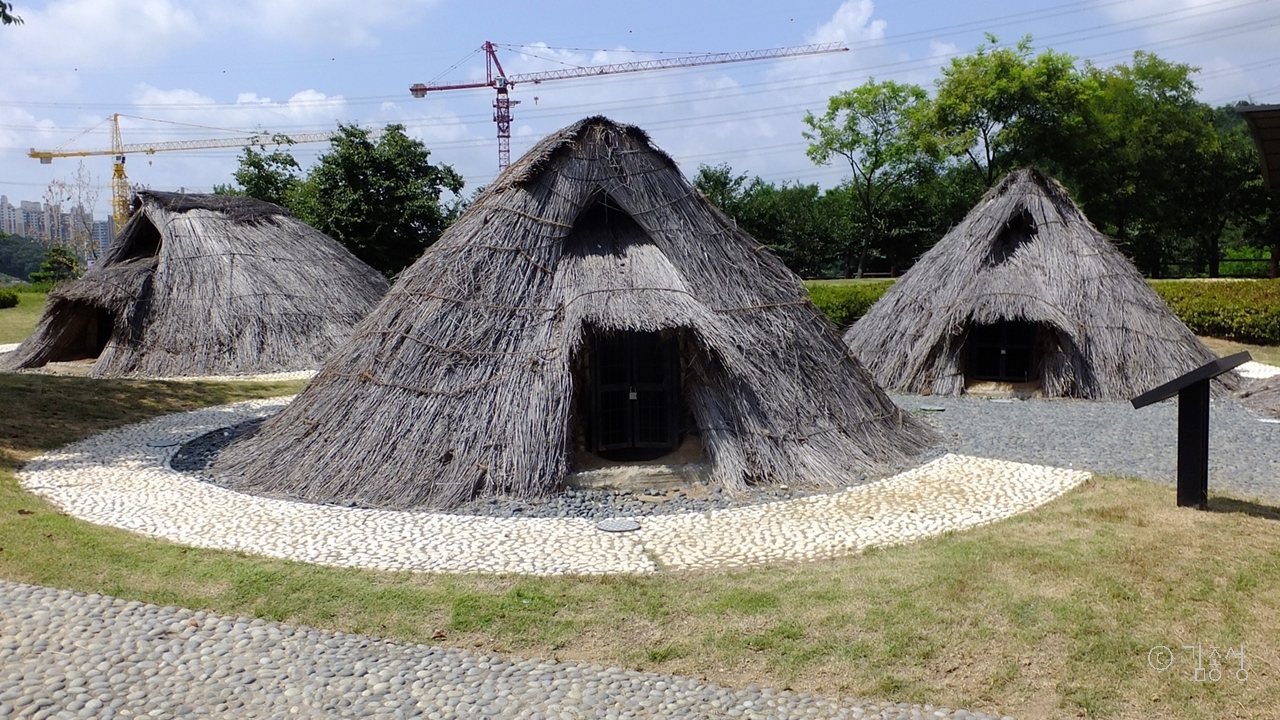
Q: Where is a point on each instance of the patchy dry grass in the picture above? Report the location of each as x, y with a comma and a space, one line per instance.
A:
1050, 614
1269, 354
16, 323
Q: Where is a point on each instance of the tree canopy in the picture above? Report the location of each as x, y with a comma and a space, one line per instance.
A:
6, 16
1172, 179
879, 129
380, 196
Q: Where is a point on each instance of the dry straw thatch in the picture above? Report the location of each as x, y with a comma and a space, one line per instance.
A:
1263, 395
206, 285
465, 382
1026, 253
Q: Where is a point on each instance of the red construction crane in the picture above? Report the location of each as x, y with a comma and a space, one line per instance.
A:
500, 81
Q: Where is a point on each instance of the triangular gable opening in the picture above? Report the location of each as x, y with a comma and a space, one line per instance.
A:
1017, 231
144, 240
604, 228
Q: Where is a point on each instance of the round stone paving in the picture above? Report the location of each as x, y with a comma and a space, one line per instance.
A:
121, 478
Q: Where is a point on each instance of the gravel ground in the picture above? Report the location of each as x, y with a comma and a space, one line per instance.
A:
1111, 438
70, 655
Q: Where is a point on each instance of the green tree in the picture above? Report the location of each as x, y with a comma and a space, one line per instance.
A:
20, 256
880, 130
60, 265
1003, 107
274, 177
6, 18
381, 198
721, 187
1135, 158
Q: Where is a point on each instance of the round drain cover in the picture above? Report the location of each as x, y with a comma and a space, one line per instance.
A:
163, 443
618, 525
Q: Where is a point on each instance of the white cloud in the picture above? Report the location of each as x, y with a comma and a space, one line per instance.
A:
851, 23
1229, 41
78, 33
248, 111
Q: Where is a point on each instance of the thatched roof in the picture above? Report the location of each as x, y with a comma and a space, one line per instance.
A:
463, 382
1027, 253
1263, 395
206, 285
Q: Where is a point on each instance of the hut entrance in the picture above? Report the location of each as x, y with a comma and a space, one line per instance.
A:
1003, 352
635, 395
89, 329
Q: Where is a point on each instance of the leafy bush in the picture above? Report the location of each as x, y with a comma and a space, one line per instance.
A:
8, 299
846, 302
60, 265
1241, 310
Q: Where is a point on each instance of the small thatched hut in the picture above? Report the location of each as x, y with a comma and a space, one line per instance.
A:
588, 301
206, 285
1025, 291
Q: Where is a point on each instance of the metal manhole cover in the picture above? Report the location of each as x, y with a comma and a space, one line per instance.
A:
162, 443
618, 525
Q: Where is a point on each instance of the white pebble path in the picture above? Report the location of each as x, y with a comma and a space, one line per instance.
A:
1257, 371
121, 478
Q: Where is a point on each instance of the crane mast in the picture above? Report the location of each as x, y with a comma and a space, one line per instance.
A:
501, 82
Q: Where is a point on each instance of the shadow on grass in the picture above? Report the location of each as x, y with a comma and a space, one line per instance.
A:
1229, 505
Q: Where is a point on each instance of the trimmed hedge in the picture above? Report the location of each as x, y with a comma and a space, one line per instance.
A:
8, 299
845, 302
1246, 311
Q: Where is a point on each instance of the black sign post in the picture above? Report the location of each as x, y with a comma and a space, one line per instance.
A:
1192, 390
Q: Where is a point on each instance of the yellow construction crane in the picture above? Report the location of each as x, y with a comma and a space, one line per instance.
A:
118, 150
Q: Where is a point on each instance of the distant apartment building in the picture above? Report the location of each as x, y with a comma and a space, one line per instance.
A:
103, 232
8, 217
49, 224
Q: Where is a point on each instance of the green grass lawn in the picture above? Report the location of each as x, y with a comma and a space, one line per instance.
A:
16, 323
1269, 354
1050, 614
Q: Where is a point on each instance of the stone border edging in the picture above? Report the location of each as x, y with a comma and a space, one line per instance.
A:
121, 479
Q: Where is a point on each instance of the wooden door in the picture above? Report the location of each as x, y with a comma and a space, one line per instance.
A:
636, 398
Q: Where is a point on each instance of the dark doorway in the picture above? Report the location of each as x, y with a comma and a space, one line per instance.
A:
1003, 352
635, 395
85, 334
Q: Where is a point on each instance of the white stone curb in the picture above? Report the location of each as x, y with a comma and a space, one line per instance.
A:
121, 478
1257, 370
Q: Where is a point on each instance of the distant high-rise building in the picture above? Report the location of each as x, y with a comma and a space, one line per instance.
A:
103, 232
31, 219
8, 217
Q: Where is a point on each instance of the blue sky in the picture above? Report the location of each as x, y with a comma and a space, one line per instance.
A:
296, 66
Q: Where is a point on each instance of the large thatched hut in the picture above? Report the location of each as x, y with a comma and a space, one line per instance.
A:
1025, 291
588, 301
206, 285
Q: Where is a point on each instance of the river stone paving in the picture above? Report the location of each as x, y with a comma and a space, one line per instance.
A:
121, 478
71, 655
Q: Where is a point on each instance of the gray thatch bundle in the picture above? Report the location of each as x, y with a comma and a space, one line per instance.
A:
1263, 395
206, 285
474, 375
1025, 288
